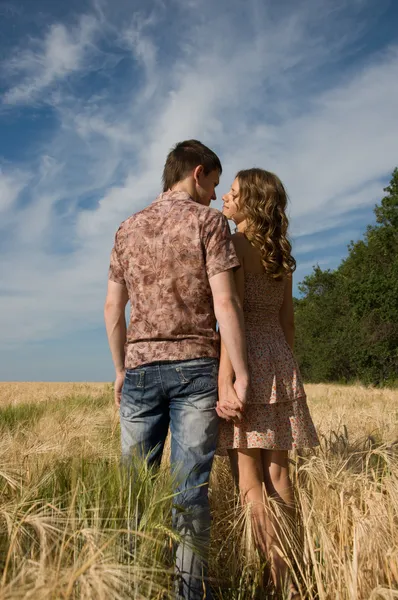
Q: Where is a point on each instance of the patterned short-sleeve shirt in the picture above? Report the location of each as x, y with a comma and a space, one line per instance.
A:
165, 256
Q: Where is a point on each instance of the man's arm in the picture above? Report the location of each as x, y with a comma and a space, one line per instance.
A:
115, 322
226, 392
226, 372
228, 311
221, 259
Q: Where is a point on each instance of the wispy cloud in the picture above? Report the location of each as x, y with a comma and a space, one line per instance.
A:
12, 182
264, 86
318, 245
45, 61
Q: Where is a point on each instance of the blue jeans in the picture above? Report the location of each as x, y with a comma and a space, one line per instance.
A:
182, 395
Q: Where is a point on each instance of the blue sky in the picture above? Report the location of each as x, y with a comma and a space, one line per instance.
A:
93, 94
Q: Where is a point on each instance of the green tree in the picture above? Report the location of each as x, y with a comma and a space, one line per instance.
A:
347, 319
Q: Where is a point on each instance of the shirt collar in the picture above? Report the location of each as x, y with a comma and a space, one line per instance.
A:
174, 195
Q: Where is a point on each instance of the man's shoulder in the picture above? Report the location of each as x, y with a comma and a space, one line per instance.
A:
209, 220
134, 217
210, 214
196, 208
213, 219
206, 215
187, 208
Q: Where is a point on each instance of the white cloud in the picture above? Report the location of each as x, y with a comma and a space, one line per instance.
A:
249, 89
346, 141
145, 52
58, 55
11, 185
316, 246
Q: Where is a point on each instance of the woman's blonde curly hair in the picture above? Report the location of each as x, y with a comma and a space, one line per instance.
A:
263, 201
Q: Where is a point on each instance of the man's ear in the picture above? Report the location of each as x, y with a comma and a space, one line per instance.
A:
198, 171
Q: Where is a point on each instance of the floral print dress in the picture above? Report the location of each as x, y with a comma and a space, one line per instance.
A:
276, 416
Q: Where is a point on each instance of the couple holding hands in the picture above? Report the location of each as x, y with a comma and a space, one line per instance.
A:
183, 272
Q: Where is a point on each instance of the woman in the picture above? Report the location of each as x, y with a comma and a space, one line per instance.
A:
276, 418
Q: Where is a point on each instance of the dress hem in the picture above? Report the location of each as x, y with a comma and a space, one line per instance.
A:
278, 402
224, 451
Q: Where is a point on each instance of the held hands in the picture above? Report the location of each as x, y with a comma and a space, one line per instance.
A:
232, 398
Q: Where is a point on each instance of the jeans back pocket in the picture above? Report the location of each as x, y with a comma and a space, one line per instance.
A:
132, 392
198, 376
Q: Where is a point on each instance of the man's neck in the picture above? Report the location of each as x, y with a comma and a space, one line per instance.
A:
184, 186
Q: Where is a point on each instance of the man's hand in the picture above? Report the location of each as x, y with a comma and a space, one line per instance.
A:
118, 387
115, 321
229, 405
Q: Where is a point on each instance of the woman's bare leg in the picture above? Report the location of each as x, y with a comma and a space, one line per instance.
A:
263, 474
279, 487
247, 470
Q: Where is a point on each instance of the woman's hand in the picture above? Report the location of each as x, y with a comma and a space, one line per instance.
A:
229, 406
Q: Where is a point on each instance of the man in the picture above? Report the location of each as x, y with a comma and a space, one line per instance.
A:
174, 261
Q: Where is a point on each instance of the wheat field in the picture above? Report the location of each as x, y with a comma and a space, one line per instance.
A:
68, 517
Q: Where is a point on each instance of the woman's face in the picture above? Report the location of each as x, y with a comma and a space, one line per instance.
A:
231, 208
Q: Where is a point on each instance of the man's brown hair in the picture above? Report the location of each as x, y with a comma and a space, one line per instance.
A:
186, 156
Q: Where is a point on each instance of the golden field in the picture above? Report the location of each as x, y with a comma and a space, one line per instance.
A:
65, 507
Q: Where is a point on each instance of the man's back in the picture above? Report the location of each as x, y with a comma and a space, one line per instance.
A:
174, 262
165, 256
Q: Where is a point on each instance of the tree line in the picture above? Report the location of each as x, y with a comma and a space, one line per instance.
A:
347, 318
